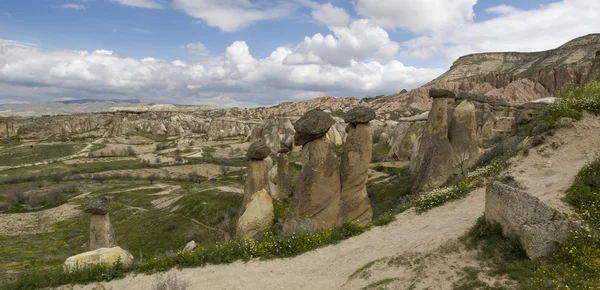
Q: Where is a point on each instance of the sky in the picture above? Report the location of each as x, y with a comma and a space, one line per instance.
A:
248, 53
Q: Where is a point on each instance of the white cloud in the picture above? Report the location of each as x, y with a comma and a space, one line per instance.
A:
501, 9
359, 41
155, 4
235, 78
330, 15
511, 29
419, 16
232, 15
196, 49
72, 6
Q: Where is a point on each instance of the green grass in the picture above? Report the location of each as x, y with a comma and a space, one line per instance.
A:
386, 196
574, 101
156, 138
26, 155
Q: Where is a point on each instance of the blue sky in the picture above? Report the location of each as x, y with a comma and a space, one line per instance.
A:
248, 53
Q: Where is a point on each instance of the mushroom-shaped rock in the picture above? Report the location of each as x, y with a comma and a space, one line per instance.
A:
441, 93
360, 115
98, 206
258, 151
313, 125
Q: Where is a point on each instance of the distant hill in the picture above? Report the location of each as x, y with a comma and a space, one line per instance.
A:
67, 107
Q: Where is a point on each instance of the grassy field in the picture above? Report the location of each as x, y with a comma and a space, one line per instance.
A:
36, 153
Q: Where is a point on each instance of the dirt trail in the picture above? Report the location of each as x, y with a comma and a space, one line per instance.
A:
546, 174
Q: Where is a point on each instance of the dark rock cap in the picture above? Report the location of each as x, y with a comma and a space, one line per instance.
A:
313, 125
441, 93
258, 150
360, 115
284, 150
98, 206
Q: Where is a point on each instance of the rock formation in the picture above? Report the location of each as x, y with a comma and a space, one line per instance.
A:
257, 178
462, 135
540, 228
284, 185
102, 234
356, 158
104, 256
316, 201
433, 162
258, 216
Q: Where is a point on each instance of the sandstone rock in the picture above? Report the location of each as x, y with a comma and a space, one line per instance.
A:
284, 184
190, 246
258, 216
311, 126
462, 135
102, 234
258, 151
403, 138
356, 158
359, 115
256, 181
540, 228
104, 256
316, 201
432, 164
98, 206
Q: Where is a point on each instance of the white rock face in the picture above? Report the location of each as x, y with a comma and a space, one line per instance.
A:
190, 246
104, 256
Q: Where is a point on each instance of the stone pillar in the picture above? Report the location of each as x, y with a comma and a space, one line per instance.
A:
316, 201
433, 164
284, 184
102, 234
257, 178
356, 207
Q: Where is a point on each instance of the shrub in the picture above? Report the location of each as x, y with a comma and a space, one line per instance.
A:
573, 102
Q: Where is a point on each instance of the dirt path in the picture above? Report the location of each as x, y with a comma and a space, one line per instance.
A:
329, 267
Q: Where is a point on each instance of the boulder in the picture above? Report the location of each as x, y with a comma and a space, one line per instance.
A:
540, 228
359, 115
102, 234
98, 206
441, 93
316, 201
104, 256
313, 125
256, 180
356, 207
190, 246
258, 151
258, 216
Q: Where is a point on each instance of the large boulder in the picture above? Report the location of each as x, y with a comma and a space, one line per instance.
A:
258, 216
313, 125
359, 115
258, 151
316, 201
104, 256
540, 228
356, 207
102, 234
98, 206
256, 180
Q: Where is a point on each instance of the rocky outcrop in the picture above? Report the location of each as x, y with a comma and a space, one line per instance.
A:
102, 256
258, 216
354, 168
462, 134
258, 151
102, 234
316, 201
540, 228
281, 179
433, 161
277, 133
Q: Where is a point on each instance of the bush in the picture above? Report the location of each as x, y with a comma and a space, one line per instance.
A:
505, 146
573, 102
